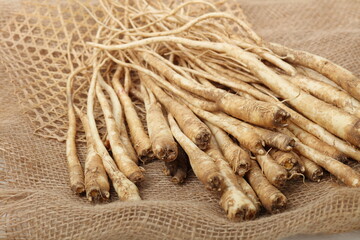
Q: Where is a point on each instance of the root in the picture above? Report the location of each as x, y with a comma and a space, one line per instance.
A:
202, 165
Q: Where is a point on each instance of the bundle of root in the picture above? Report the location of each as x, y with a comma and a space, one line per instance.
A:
212, 103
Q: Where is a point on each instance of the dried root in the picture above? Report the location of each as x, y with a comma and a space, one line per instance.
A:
226, 105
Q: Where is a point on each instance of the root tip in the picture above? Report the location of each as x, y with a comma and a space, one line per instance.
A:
137, 177
78, 188
107, 194
261, 152
281, 117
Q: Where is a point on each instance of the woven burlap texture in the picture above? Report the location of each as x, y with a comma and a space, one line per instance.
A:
35, 199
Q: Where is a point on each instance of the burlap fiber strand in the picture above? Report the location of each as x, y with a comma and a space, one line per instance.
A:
35, 198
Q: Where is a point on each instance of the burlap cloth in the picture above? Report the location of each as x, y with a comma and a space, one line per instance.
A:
35, 199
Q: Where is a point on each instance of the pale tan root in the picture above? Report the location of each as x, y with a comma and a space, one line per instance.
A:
268, 56
249, 191
188, 23
276, 174
324, 135
215, 72
127, 81
126, 190
196, 101
343, 172
193, 22
119, 118
316, 143
333, 119
263, 89
312, 171
136, 93
96, 181
216, 75
344, 78
140, 139
286, 159
290, 161
327, 93
203, 166
179, 167
123, 161
301, 165
193, 128
231, 104
270, 197
160, 64
233, 200
237, 205
171, 13
310, 126
185, 95
125, 139
245, 135
174, 89
276, 139
243, 94
162, 141
238, 158
76, 174
317, 76
234, 76
253, 111
273, 139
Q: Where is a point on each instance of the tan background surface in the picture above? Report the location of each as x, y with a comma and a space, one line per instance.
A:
35, 199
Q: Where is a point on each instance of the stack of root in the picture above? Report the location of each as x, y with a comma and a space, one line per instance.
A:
245, 115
